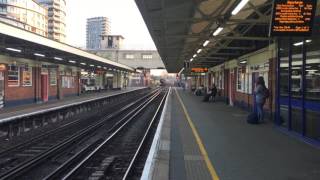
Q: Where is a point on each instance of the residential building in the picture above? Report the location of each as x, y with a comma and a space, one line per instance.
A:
56, 18
25, 14
97, 27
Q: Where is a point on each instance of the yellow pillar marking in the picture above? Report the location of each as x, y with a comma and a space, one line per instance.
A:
203, 151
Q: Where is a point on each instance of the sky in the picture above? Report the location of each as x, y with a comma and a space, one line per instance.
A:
124, 16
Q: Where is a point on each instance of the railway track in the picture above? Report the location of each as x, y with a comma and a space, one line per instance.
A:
119, 155
47, 148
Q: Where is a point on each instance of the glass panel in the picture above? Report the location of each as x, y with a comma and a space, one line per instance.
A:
296, 84
284, 78
313, 88
313, 70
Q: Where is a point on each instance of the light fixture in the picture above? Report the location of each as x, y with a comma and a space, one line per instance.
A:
71, 61
312, 70
194, 56
206, 43
105, 68
83, 64
40, 55
99, 66
199, 51
13, 49
298, 43
191, 59
301, 43
58, 58
217, 31
239, 7
243, 62
91, 65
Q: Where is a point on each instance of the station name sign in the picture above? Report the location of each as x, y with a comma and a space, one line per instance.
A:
293, 17
199, 70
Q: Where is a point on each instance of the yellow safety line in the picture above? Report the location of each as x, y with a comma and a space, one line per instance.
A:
203, 151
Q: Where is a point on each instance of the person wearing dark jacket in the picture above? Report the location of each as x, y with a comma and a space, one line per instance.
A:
214, 91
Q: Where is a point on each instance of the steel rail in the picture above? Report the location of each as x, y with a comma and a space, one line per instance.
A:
51, 132
105, 142
20, 169
143, 141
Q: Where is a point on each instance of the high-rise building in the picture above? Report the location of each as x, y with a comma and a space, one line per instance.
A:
56, 18
97, 27
26, 14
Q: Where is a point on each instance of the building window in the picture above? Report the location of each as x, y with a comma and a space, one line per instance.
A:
241, 79
27, 76
53, 77
13, 76
67, 82
129, 56
146, 56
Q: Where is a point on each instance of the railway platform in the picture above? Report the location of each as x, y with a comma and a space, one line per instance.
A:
30, 108
200, 140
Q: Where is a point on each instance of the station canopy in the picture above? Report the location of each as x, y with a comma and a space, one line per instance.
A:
20, 43
180, 28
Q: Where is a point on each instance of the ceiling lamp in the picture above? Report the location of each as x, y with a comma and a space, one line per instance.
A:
206, 43
239, 7
39, 55
218, 31
14, 50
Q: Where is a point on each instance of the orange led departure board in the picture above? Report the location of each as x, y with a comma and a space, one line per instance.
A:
199, 70
293, 17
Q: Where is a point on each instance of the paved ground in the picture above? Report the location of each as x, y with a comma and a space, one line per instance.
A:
8, 112
237, 150
186, 161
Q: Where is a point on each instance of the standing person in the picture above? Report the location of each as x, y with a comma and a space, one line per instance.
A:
260, 97
214, 91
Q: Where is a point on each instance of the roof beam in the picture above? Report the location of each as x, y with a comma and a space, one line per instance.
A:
234, 48
256, 10
225, 54
249, 38
248, 21
209, 57
246, 38
258, 6
194, 20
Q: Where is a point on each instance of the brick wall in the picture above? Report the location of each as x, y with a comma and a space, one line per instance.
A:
21, 93
246, 101
53, 91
